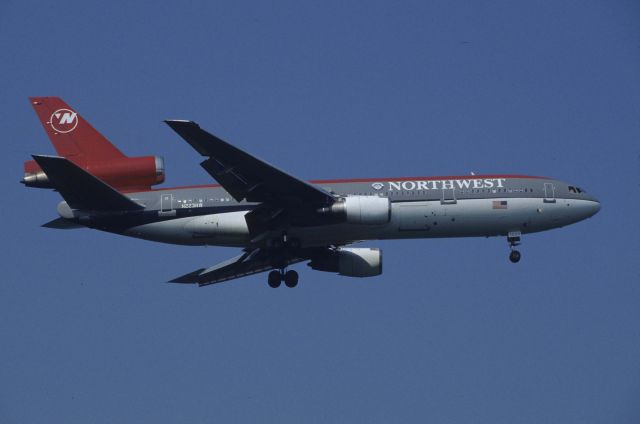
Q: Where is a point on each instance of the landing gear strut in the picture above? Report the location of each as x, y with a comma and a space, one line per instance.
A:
284, 242
282, 247
276, 277
514, 240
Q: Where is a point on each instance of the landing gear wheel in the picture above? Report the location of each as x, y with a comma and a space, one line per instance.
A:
514, 256
291, 278
275, 278
514, 237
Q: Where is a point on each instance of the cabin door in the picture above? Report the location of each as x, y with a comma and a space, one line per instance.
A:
549, 193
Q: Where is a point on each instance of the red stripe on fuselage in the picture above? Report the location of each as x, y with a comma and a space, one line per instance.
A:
455, 177
365, 180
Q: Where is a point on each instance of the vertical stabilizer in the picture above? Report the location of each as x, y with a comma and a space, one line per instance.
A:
71, 135
77, 141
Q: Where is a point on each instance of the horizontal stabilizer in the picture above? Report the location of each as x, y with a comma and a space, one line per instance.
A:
82, 190
62, 224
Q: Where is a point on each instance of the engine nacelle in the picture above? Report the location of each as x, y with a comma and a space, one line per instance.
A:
126, 173
350, 262
227, 228
368, 210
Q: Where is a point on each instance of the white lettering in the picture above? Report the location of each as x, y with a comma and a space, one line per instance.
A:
491, 183
463, 183
447, 184
68, 118
408, 185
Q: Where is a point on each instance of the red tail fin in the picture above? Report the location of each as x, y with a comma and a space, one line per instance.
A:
71, 135
75, 139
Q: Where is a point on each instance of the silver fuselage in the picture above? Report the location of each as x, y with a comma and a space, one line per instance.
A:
420, 207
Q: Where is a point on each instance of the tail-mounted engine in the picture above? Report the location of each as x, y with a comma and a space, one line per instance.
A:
350, 262
121, 173
368, 210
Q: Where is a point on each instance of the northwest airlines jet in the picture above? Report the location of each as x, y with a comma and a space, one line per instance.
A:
275, 218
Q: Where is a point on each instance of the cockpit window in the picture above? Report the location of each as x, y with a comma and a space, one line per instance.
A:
573, 189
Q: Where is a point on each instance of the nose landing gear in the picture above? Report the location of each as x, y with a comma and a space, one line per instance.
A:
514, 256
514, 238
276, 277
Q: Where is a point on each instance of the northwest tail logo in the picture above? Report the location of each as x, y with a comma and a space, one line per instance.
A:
63, 120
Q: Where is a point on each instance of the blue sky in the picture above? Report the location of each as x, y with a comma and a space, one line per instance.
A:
451, 332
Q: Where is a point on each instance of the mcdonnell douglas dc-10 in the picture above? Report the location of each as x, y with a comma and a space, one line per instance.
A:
275, 218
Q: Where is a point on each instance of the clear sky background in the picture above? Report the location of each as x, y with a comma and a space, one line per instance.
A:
452, 332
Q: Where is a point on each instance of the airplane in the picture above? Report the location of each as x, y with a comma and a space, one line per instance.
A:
275, 218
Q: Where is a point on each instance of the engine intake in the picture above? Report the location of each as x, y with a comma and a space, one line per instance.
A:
350, 262
367, 210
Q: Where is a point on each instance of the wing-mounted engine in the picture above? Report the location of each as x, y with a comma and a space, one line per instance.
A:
349, 261
121, 173
367, 210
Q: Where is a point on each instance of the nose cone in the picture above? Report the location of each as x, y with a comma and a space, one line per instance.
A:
594, 207
587, 208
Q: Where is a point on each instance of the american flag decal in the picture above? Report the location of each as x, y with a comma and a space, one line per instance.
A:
499, 204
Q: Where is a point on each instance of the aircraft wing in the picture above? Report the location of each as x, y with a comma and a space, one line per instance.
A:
244, 176
249, 263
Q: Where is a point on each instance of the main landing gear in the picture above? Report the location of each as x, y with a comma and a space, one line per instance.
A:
281, 248
514, 240
276, 277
